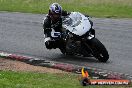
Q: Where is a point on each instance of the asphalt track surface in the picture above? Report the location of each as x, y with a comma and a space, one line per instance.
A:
22, 34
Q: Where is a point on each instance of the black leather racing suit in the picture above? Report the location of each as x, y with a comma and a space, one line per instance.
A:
48, 25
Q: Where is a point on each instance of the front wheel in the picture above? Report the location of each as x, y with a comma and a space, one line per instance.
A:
99, 50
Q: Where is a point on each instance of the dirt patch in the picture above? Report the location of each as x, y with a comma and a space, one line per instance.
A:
6, 64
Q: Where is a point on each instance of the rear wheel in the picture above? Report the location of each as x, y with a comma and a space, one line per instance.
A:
99, 50
63, 50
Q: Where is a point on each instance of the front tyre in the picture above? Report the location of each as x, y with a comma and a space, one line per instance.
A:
99, 50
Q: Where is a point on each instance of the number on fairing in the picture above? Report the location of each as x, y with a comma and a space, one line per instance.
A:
55, 34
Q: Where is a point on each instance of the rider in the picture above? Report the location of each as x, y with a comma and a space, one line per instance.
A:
53, 21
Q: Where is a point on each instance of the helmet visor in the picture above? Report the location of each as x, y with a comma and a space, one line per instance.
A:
55, 16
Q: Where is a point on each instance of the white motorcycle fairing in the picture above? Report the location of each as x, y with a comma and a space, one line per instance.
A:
77, 23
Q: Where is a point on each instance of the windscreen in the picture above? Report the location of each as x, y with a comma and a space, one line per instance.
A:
74, 19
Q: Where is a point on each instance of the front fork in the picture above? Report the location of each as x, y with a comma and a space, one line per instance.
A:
87, 41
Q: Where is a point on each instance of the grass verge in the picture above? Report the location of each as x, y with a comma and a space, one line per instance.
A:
10, 79
96, 8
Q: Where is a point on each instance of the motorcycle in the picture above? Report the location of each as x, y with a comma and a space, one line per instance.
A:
78, 38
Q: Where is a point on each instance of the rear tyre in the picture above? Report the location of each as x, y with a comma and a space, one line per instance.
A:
99, 50
63, 51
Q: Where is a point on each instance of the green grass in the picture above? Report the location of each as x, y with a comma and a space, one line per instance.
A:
10, 79
94, 8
